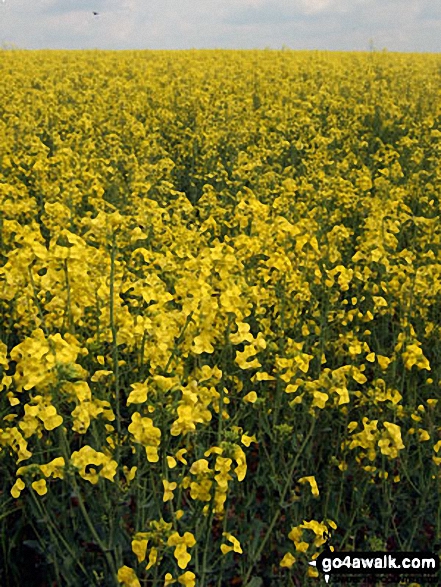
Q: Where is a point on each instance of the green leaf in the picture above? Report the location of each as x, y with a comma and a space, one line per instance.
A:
33, 545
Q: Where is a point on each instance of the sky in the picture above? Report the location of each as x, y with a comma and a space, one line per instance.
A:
341, 25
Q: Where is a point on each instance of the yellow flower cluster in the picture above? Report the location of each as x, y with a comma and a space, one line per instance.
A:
198, 261
320, 529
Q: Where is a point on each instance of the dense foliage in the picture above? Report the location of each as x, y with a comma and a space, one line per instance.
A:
220, 286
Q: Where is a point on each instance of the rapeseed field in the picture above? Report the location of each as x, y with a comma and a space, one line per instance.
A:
220, 289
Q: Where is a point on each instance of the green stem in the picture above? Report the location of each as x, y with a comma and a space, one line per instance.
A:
37, 302
178, 341
114, 341
355, 511
282, 345
90, 525
224, 529
56, 535
276, 516
218, 441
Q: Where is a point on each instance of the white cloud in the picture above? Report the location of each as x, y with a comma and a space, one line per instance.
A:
404, 25
316, 6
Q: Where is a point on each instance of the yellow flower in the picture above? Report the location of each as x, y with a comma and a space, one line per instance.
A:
358, 376
391, 442
383, 362
262, 376
366, 439
13, 401
81, 416
168, 580
217, 450
296, 534
139, 394
364, 182
200, 467
188, 579
171, 462
30, 423
129, 473
201, 490
181, 543
100, 374
379, 302
9, 417
13, 438
147, 435
202, 344
313, 483
180, 455
247, 440
317, 527
168, 490
301, 546
312, 572
153, 557
240, 458
343, 395
139, 545
127, 577
88, 456
40, 486
242, 334
250, 397
414, 356
437, 446
223, 465
79, 390
225, 548
242, 358
287, 561
302, 361
352, 426
3, 355
48, 415
320, 399
17, 488
187, 418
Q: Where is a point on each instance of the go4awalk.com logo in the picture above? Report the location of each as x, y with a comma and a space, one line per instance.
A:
398, 566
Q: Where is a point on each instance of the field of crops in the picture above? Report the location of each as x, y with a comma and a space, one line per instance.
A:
220, 319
